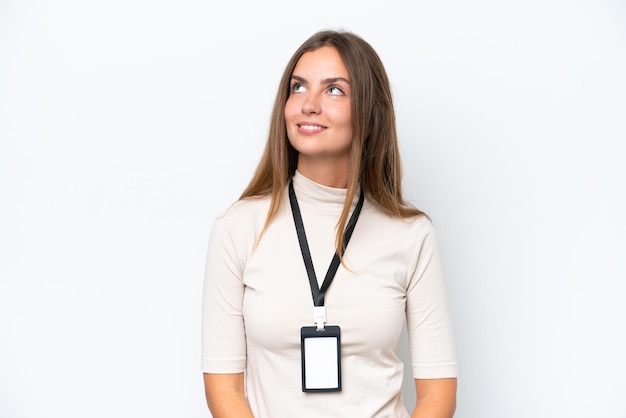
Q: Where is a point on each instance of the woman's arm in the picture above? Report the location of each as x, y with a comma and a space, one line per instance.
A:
436, 398
225, 395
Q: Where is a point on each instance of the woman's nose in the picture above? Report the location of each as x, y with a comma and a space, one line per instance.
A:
311, 105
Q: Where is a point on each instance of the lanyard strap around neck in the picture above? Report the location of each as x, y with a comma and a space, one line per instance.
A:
318, 293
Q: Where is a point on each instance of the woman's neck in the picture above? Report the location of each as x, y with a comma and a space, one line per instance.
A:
328, 173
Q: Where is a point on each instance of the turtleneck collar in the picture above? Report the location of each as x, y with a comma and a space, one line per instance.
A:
324, 198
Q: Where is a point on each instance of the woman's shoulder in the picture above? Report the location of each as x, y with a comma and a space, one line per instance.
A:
407, 230
243, 216
244, 210
419, 220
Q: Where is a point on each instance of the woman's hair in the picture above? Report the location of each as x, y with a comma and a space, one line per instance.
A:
375, 157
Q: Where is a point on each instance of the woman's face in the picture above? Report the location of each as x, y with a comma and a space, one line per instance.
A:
318, 113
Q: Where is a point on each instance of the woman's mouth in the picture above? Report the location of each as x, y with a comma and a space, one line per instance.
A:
310, 128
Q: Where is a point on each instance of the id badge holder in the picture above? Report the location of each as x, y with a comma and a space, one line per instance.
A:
321, 359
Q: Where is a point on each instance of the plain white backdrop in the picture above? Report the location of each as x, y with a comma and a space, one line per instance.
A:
127, 126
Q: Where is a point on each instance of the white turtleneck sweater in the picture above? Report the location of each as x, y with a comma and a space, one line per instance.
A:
257, 299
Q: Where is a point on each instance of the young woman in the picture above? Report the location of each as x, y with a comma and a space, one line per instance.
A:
284, 334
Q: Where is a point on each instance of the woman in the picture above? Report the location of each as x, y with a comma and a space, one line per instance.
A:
332, 140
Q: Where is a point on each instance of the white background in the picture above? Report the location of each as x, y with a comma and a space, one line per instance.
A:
127, 126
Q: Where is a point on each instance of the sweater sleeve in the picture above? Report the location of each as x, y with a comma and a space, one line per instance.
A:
428, 319
223, 333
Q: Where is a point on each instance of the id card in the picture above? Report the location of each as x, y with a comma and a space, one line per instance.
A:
321, 359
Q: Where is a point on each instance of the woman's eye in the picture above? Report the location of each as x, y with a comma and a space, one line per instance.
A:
297, 88
335, 90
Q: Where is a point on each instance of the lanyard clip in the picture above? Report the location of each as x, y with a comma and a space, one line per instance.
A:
319, 315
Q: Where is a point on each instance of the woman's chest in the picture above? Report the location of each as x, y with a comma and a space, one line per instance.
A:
366, 299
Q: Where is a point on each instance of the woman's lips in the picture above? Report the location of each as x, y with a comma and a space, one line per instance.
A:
310, 128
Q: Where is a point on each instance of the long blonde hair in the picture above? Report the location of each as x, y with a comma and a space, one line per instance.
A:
375, 156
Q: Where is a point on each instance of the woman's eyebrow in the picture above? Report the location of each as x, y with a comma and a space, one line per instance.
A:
336, 79
330, 80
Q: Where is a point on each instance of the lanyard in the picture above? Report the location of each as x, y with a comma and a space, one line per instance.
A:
319, 312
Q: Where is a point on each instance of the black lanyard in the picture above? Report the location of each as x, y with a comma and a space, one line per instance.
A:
318, 293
